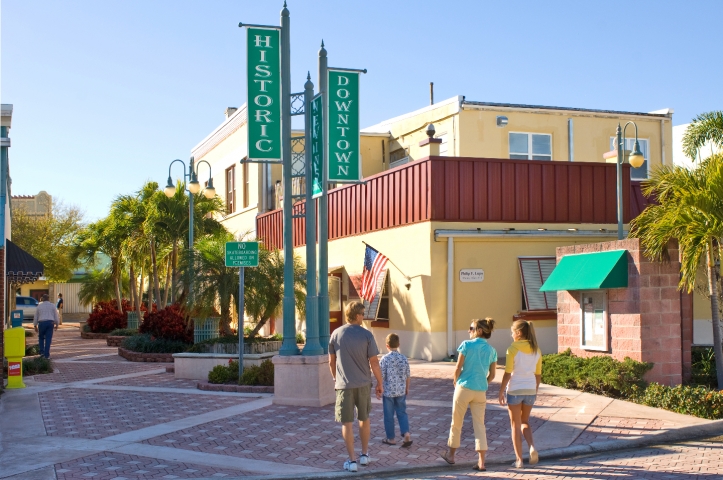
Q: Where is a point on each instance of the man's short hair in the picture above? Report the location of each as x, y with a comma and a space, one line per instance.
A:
44, 297
60, 294
352, 310
393, 340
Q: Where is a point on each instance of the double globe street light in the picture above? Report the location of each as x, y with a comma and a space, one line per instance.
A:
193, 187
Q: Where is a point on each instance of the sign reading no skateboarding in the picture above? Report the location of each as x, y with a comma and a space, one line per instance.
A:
242, 254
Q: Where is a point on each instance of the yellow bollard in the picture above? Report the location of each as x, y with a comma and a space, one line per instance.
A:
14, 352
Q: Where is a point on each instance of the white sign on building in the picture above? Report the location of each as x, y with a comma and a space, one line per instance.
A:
471, 275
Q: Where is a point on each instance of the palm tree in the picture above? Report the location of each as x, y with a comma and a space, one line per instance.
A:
706, 127
264, 287
99, 286
690, 210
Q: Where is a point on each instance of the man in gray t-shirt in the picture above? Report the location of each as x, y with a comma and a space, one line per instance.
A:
352, 358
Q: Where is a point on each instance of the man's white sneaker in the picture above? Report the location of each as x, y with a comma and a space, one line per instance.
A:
350, 466
364, 459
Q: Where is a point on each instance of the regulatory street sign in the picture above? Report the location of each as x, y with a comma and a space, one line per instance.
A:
242, 254
264, 94
343, 127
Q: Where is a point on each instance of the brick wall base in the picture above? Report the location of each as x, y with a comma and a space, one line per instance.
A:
650, 320
93, 336
145, 357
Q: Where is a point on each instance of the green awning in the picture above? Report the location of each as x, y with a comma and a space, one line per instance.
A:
589, 271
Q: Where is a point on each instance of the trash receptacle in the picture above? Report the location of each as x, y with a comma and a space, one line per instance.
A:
16, 318
14, 352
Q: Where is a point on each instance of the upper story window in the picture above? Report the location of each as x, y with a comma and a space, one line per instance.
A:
231, 189
398, 157
245, 170
530, 146
642, 172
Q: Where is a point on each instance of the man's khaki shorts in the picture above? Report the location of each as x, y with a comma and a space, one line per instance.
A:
347, 399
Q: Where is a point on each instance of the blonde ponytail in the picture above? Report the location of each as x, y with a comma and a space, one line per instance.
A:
528, 332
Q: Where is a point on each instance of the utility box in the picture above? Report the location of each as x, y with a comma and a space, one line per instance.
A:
16, 318
14, 343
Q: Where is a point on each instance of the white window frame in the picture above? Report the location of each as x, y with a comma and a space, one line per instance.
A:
606, 322
529, 145
646, 155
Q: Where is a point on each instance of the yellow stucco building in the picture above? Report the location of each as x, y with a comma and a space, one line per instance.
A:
471, 220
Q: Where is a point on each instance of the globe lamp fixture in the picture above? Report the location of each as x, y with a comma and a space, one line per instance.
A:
636, 159
209, 192
170, 189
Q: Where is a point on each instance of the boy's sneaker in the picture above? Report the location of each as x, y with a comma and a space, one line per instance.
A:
364, 459
350, 466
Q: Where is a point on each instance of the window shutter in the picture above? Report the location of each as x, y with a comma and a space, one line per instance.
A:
534, 272
372, 309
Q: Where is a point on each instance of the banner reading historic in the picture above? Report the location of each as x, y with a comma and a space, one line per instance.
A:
343, 124
263, 68
317, 146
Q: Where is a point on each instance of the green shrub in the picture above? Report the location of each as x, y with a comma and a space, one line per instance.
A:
258, 375
300, 338
146, 344
224, 373
124, 332
601, 375
37, 365
31, 350
703, 371
698, 401
29, 333
276, 337
86, 328
230, 340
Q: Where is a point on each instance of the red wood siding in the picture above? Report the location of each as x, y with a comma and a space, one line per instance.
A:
455, 189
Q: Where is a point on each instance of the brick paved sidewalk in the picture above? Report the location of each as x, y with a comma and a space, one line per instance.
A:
103, 417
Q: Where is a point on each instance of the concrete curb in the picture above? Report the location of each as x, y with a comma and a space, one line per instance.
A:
693, 432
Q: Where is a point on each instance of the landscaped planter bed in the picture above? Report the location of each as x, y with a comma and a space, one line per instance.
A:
211, 387
196, 366
114, 341
145, 357
93, 336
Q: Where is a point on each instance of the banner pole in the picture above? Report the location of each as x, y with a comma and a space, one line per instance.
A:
240, 328
324, 211
288, 346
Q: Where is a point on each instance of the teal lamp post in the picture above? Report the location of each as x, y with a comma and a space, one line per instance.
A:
636, 160
193, 187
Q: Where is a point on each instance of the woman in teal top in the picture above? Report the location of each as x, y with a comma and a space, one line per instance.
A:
476, 364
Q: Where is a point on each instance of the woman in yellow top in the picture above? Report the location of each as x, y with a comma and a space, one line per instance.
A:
518, 390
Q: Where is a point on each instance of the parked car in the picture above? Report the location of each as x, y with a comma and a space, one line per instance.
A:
28, 305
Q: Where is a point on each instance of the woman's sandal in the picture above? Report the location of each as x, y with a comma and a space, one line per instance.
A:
518, 464
387, 442
476, 467
444, 456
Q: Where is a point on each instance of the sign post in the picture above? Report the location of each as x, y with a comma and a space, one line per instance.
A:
241, 254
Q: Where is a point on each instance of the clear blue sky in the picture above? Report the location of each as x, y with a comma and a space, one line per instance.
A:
108, 92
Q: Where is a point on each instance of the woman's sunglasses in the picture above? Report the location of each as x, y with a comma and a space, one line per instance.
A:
471, 329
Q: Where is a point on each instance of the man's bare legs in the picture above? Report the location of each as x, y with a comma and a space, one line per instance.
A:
347, 431
364, 434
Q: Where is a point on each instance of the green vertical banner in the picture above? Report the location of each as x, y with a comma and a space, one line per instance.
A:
343, 124
317, 146
263, 67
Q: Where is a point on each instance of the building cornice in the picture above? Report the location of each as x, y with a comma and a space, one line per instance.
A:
221, 133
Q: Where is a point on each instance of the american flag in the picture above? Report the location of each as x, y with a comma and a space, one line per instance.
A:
374, 265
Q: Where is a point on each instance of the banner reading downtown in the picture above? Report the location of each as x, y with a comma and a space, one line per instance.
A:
263, 68
343, 125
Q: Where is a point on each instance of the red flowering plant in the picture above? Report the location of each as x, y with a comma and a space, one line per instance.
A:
106, 317
169, 323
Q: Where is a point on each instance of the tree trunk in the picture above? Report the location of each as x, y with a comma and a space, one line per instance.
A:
225, 325
259, 325
118, 297
168, 280
717, 334
133, 293
156, 287
142, 285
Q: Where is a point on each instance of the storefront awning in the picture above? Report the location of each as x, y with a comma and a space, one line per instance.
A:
589, 271
21, 266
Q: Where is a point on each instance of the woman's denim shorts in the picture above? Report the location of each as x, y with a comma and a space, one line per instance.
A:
523, 399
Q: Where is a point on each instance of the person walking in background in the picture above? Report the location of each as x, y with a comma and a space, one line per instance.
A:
45, 321
523, 369
476, 364
396, 378
352, 357
59, 306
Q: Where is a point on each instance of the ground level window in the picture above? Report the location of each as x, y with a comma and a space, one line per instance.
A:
533, 273
594, 320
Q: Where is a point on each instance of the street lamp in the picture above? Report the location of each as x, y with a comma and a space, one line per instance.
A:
193, 188
636, 160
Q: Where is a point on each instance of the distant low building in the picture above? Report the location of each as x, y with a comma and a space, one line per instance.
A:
39, 205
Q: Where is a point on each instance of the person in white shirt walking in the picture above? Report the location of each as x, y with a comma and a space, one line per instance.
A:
396, 376
523, 370
44, 322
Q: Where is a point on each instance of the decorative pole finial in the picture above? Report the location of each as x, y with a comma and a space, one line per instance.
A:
308, 75
322, 43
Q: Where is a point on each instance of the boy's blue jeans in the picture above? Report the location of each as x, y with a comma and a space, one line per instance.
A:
398, 405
